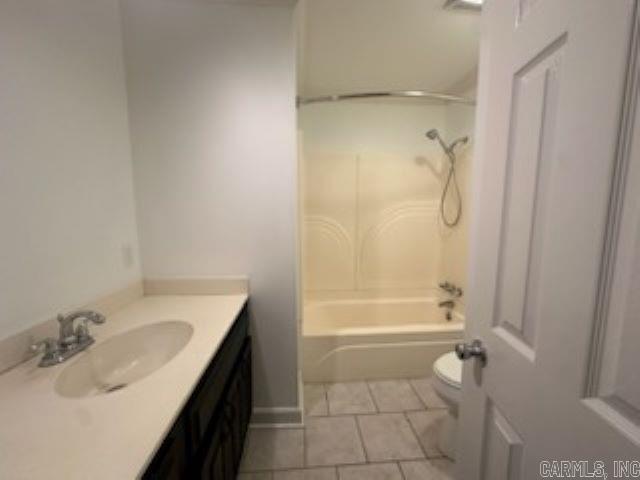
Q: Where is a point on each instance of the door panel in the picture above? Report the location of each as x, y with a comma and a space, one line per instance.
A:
614, 379
526, 203
503, 448
560, 328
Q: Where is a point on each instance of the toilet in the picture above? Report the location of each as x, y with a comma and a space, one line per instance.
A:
447, 383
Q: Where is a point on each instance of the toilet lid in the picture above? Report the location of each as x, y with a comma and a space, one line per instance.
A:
449, 369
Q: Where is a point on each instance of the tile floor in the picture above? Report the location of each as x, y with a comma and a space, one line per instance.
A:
375, 430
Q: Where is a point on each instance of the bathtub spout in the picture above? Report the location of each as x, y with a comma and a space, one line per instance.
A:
447, 304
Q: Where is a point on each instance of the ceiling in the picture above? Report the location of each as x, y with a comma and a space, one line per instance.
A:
367, 45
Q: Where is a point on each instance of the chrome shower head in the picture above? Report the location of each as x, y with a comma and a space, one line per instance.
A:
432, 134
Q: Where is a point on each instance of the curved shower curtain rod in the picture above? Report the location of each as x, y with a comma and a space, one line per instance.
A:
392, 94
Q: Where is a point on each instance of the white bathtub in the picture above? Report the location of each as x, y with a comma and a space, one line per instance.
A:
375, 338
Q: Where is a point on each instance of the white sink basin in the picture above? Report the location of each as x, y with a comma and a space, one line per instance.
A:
123, 359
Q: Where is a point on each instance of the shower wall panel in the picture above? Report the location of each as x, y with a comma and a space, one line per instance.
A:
371, 192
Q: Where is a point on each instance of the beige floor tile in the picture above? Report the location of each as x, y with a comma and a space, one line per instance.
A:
315, 400
255, 476
394, 396
328, 473
427, 394
388, 436
379, 471
438, 469
427, 426
349, 398
332, 441
273, 449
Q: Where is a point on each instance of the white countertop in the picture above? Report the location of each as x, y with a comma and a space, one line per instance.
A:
114, 436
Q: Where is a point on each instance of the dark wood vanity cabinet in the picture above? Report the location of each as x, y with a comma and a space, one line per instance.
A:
206, 440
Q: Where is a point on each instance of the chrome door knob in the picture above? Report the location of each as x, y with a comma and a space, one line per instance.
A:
465, 351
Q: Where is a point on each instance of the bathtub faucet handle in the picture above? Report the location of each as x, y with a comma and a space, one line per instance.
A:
451, 289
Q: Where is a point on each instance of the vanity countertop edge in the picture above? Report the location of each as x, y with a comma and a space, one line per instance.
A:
111, 435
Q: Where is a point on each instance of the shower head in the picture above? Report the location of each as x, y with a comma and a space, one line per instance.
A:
434, 135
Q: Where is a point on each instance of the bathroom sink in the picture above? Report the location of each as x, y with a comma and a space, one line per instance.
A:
123, 359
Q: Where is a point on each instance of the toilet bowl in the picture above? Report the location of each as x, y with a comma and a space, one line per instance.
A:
447, 383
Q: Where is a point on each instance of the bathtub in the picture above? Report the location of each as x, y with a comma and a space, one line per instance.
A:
357, 339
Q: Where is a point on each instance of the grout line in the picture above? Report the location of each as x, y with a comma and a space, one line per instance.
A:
426, 407
373, 398
360, 437
401, 470
352, 464
415, 434
339, 465
326, 397
304, 446
326, 390
368, 414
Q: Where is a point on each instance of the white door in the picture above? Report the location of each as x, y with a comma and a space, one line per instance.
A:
555, 246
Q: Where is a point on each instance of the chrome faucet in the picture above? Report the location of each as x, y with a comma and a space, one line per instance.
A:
451, 289
71, 340
449, 305
68, 335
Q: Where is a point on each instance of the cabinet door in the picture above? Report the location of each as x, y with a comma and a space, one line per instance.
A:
170, 462
246, 387
217, 458
209, 395
208, 464
234, 420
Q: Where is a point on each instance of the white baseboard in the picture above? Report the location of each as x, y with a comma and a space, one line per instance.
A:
277, 417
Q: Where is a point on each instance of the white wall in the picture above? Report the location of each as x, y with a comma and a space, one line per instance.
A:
66, 199
212, 105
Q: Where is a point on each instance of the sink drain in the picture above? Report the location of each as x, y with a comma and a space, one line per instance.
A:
113, 388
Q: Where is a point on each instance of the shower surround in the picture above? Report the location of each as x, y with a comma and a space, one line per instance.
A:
374, 247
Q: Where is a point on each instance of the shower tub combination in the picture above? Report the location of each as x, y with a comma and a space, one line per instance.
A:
358, 339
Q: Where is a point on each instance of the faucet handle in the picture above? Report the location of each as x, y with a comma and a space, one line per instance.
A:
82, 330
90, 316
49, 346
97, 318
52, 353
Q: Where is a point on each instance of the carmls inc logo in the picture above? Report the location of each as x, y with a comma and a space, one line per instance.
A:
586, 469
